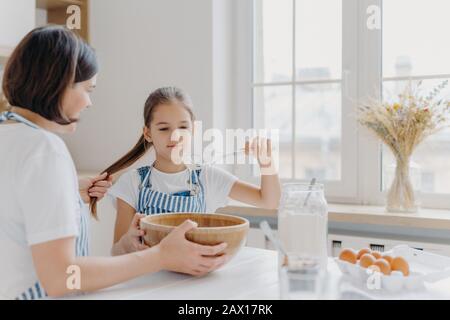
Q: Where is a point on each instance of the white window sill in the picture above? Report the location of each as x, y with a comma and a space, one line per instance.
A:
372, 215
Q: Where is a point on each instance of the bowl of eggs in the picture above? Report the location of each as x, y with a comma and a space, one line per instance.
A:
393, 270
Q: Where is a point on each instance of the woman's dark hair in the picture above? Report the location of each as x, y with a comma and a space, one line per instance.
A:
158, 97
44, 64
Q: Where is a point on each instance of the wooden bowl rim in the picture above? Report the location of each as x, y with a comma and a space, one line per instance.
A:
245, 223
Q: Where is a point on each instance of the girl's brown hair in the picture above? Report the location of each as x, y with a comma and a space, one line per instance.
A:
158, 97
43, 65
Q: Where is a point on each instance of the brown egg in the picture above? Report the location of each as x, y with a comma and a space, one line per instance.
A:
376, 254
384, 266
400, 264
388, 258
363, 251
366, 260
348, 255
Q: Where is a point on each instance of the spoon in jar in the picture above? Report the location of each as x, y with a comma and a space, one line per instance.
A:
311, 184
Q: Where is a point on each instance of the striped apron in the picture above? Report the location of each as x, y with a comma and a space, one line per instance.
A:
154, 202
35, 291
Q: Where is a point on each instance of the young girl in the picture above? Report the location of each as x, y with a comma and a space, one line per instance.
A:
168, 186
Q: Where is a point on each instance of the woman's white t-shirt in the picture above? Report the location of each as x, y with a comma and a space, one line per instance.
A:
216, 182
38, 200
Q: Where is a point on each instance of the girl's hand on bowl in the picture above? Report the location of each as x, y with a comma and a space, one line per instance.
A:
180, 255
132, 239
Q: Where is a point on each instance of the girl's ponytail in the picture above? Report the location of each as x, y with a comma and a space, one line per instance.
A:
127, 160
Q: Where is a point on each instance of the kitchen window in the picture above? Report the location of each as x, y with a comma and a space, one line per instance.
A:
304, 65
414, 48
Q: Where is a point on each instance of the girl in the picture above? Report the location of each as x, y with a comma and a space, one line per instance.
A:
168, 186
43, 221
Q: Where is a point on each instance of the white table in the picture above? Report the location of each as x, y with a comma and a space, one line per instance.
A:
252, 274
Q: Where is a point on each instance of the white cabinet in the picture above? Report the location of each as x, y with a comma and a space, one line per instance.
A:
336, 242
257, 239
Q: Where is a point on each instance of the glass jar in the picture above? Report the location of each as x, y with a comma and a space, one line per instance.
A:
303, 223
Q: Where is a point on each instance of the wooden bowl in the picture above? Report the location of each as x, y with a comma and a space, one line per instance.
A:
212, 229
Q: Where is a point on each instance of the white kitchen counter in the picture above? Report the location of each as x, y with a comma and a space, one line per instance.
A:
252, 274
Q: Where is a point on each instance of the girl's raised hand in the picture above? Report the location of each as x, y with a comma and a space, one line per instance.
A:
180, 255
261, 148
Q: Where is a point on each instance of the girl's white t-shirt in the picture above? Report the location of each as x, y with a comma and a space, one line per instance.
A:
216, 182
38, 200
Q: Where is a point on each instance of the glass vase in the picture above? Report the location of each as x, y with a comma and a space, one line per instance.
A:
402, 195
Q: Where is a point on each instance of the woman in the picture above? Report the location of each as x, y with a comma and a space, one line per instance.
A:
43, 221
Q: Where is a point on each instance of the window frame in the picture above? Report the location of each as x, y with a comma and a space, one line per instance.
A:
361, 153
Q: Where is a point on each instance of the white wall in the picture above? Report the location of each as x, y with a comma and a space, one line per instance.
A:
222, 64
17, 18
41, 17
142, 45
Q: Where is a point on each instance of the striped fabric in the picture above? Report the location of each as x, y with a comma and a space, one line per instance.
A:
36, 291
82, 241
155, 202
